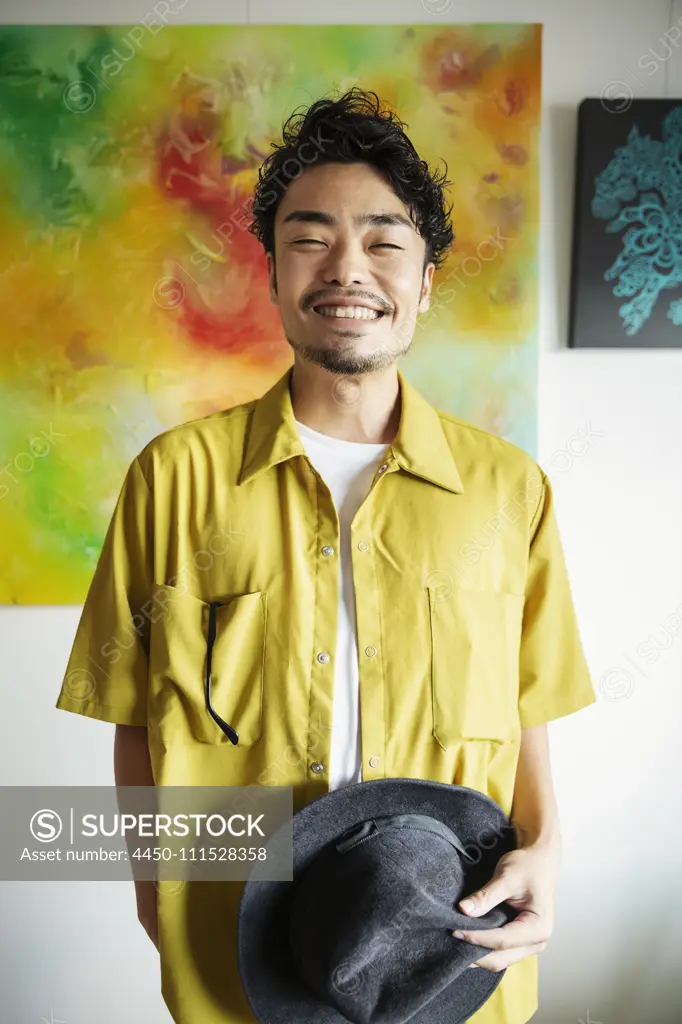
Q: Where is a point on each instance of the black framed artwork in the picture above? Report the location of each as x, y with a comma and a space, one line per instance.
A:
626, 279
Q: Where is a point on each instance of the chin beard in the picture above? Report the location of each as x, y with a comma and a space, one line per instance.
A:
347, 361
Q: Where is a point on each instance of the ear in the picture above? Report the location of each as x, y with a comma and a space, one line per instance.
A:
272, 277
427, 284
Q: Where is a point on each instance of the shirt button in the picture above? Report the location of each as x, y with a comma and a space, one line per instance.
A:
317, 767
363, 546
323, 657
327, 550
373, 762
370, 651
383, 468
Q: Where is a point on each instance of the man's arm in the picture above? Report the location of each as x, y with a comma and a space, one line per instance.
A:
132, 764
554, 680
527, 876
534, 811
132, 767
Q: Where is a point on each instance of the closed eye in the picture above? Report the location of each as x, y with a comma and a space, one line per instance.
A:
318, 241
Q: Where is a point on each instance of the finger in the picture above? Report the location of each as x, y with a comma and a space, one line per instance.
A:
498, 961
507, 883
525, 930
488, 896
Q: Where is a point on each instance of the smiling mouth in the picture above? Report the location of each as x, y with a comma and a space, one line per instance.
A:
355, 313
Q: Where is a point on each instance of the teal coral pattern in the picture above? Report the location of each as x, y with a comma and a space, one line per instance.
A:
641, 190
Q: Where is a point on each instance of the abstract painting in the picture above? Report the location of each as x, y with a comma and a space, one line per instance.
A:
133, 296
627, 249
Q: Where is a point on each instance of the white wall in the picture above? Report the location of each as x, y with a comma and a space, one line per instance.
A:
76, 951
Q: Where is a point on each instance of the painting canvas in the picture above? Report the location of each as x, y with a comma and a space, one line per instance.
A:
133, 296
627, 256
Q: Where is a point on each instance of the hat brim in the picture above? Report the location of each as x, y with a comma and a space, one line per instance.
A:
270, 978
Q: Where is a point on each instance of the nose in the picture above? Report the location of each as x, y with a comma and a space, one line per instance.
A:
346, 264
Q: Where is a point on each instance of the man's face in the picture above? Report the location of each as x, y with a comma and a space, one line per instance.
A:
327, 255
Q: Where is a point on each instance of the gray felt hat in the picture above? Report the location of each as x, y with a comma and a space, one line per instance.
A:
363, 932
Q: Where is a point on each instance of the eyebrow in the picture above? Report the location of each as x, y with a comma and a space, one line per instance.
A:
374, 220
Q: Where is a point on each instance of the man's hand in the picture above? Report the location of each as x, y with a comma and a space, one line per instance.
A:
527, 879
147, 909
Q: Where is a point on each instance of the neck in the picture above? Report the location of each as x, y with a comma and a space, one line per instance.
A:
364, 408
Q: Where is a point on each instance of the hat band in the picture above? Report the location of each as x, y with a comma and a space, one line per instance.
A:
352, 837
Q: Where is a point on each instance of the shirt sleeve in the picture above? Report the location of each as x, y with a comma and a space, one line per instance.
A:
554, 677
107, 673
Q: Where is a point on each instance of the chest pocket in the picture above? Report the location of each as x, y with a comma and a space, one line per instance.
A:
178, 653
475, 637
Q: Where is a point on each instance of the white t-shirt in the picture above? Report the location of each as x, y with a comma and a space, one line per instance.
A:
347, 468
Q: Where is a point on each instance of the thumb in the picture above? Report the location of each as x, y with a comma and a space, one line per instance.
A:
481, 901
489, 895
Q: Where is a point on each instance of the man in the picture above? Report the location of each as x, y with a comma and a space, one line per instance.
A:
365, 631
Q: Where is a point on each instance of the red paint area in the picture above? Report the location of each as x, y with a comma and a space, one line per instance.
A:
221, 267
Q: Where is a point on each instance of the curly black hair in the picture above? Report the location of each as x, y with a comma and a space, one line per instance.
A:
350, 129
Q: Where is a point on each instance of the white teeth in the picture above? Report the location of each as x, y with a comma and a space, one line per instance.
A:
349, 312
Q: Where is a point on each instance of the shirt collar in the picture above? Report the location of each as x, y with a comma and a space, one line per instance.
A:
419, 447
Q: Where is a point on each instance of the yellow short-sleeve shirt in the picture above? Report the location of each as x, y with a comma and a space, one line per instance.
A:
466, 634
